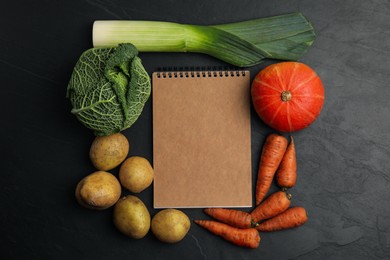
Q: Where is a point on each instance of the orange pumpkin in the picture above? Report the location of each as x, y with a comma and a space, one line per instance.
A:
288, 96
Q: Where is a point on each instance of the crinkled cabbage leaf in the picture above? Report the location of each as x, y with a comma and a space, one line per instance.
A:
108, 88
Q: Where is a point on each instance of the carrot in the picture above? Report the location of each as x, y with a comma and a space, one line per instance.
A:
248, 237
292, 217
275, 204
286, 176
271, 156
232, 217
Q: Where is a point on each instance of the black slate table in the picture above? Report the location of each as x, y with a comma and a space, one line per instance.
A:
343, 158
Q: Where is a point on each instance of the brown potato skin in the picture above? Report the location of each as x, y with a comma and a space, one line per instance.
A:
99, 190
107, 152
131, 217
170, 225
136, 174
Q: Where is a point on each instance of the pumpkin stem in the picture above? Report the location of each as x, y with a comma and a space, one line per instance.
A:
286, 96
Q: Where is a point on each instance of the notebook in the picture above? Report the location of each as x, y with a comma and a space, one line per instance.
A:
201, 139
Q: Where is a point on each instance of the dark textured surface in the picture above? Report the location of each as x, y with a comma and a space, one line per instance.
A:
343, 158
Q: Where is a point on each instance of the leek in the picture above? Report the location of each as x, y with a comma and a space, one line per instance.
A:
246, 43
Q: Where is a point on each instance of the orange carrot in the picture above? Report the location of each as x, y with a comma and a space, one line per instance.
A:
275, 204
286, 176
249, 237
232, 217
271, 156
292, 217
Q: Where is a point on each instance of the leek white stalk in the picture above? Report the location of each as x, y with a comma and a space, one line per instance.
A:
242, 44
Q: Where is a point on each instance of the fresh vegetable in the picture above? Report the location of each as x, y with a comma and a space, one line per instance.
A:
108, 88
242, 44
272, 154
107, 152
99, 190
249, 237
287, 96
131, 217
136, 174
275, 204
232, 217
292, 217
170, 225
286, 175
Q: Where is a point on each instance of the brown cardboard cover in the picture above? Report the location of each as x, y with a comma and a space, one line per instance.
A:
201, 140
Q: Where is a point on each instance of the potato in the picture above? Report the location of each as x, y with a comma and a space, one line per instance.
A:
107, 152
131, 217
170, 225
99, 190
136, 174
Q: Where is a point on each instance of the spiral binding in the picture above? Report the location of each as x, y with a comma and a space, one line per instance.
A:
197, 72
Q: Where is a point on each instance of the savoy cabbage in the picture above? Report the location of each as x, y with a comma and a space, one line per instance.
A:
108, 88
